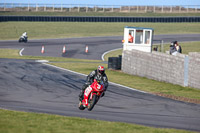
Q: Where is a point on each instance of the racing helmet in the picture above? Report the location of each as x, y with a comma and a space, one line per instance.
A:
101, 70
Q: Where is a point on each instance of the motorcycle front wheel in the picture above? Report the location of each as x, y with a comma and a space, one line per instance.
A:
92, 102
81, 107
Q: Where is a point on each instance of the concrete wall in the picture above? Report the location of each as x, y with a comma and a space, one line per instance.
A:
163, 67
194, 70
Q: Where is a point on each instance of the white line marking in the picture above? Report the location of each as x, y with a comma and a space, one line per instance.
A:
86, 75
41, 61
102, 57
20, 52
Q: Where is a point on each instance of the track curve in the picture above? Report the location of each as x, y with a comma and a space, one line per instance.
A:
31, 86
75, 47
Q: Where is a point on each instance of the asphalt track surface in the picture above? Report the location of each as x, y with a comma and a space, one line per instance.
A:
27, 85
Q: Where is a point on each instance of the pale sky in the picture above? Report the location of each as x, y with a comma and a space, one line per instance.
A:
108, 2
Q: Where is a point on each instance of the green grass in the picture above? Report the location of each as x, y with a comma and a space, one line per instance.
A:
186, 47
21, 122
132, 14
36, 30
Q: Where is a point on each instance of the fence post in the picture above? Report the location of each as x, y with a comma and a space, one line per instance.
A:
171, 9
95, 9
179, 9
129, 8
103, 8
70, 8
86, 8
145, 9
28, 6
154, 9
45, 7
186, 64
162, 8
4, 8
112, 8
162, 48
36, 7
78, 8
61, 8
120, 8
137, 9
196, 9
53, 7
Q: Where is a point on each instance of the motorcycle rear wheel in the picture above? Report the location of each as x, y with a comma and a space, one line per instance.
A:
92, 102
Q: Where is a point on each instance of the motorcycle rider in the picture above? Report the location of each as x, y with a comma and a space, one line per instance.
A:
98, 74
24, 35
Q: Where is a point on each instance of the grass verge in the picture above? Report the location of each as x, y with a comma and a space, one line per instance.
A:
21, 122
37, 30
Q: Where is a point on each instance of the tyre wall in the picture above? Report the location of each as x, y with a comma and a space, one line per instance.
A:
99, 19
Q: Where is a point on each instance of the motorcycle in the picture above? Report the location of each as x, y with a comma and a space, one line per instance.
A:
23, 39
92, 95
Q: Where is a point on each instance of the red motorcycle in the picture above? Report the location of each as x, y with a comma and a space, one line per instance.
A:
91, 95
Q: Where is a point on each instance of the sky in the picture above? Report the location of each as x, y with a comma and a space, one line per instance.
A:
109, 2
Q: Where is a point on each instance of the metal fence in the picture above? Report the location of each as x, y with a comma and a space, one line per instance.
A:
98, 8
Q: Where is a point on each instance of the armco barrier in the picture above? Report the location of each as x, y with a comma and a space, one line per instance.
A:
99, 19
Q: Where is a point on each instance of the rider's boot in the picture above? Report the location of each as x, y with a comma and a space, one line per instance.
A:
81, 95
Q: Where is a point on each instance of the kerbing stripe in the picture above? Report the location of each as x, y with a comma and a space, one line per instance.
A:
20, 52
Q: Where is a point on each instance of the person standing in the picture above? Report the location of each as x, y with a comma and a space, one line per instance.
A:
178, 47
130, 38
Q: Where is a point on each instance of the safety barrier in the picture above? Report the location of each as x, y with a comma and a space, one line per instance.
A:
99, 19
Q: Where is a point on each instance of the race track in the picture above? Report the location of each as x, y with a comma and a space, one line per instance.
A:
27, 85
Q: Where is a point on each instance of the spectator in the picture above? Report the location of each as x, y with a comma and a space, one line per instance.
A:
130, 38
178, 47
172, 49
